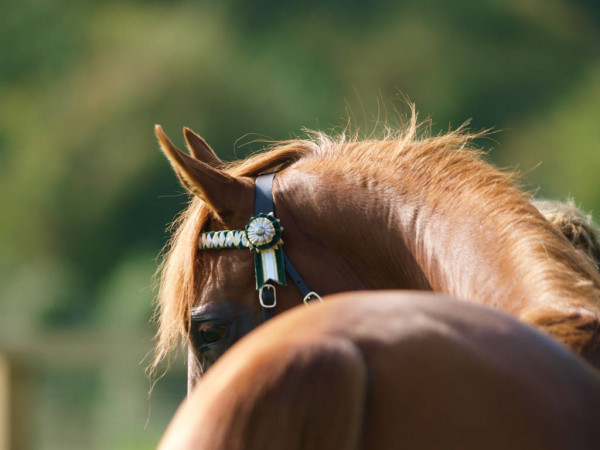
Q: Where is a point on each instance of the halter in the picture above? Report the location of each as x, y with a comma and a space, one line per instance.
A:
262, 235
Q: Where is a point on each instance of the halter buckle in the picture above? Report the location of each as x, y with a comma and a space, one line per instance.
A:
260, 296
311, 296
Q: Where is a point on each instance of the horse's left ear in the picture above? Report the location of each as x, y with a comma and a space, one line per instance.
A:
224, 194
201, 150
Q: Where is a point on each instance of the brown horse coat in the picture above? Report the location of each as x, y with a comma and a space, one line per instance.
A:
387, 370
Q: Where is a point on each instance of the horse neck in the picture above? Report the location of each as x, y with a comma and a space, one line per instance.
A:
486, 245
347, 230
492, 246
504, 254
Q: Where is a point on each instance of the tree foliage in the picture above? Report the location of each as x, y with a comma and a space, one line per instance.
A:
86, 196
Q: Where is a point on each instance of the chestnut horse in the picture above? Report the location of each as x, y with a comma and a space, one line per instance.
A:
388, 370
403, 212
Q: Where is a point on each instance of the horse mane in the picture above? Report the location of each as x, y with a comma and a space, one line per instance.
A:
442, 165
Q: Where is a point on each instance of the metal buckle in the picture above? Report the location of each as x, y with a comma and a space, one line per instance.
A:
312, 296
260, 296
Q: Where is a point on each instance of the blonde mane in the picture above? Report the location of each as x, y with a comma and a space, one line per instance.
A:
575, 224
554, 268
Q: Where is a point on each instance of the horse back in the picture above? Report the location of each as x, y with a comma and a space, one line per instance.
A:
388, 370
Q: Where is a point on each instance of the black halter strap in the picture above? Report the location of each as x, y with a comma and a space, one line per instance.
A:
263, 194
263, 203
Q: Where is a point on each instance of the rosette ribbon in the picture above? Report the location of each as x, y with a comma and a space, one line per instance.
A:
263, 234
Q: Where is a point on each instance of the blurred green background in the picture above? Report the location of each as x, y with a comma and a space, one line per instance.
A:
86, 195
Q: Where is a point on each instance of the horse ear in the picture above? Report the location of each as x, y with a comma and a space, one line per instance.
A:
200, 149
224, 194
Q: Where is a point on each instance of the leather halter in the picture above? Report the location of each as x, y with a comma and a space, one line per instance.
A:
263, 204
263, 236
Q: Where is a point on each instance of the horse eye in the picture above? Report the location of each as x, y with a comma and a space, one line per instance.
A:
212, 333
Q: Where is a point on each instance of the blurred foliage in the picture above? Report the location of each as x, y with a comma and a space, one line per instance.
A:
86, 195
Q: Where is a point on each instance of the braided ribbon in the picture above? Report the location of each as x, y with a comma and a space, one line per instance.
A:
223, 239
262, 235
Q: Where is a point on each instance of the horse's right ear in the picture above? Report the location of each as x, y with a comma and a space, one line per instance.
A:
225, 194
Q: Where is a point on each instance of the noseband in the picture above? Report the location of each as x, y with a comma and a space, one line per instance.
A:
262, 235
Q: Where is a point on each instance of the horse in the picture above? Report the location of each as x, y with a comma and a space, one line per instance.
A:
392, 369
407, 211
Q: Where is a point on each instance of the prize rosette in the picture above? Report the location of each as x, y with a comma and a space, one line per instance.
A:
263, 234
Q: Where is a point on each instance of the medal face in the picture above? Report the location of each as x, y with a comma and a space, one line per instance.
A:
263, 232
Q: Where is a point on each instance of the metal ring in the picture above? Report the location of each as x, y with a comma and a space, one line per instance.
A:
312, 296
260, 296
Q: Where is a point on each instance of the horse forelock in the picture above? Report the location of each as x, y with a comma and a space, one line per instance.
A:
451, 177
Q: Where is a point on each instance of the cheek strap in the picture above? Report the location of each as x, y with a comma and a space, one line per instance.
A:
263, 204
